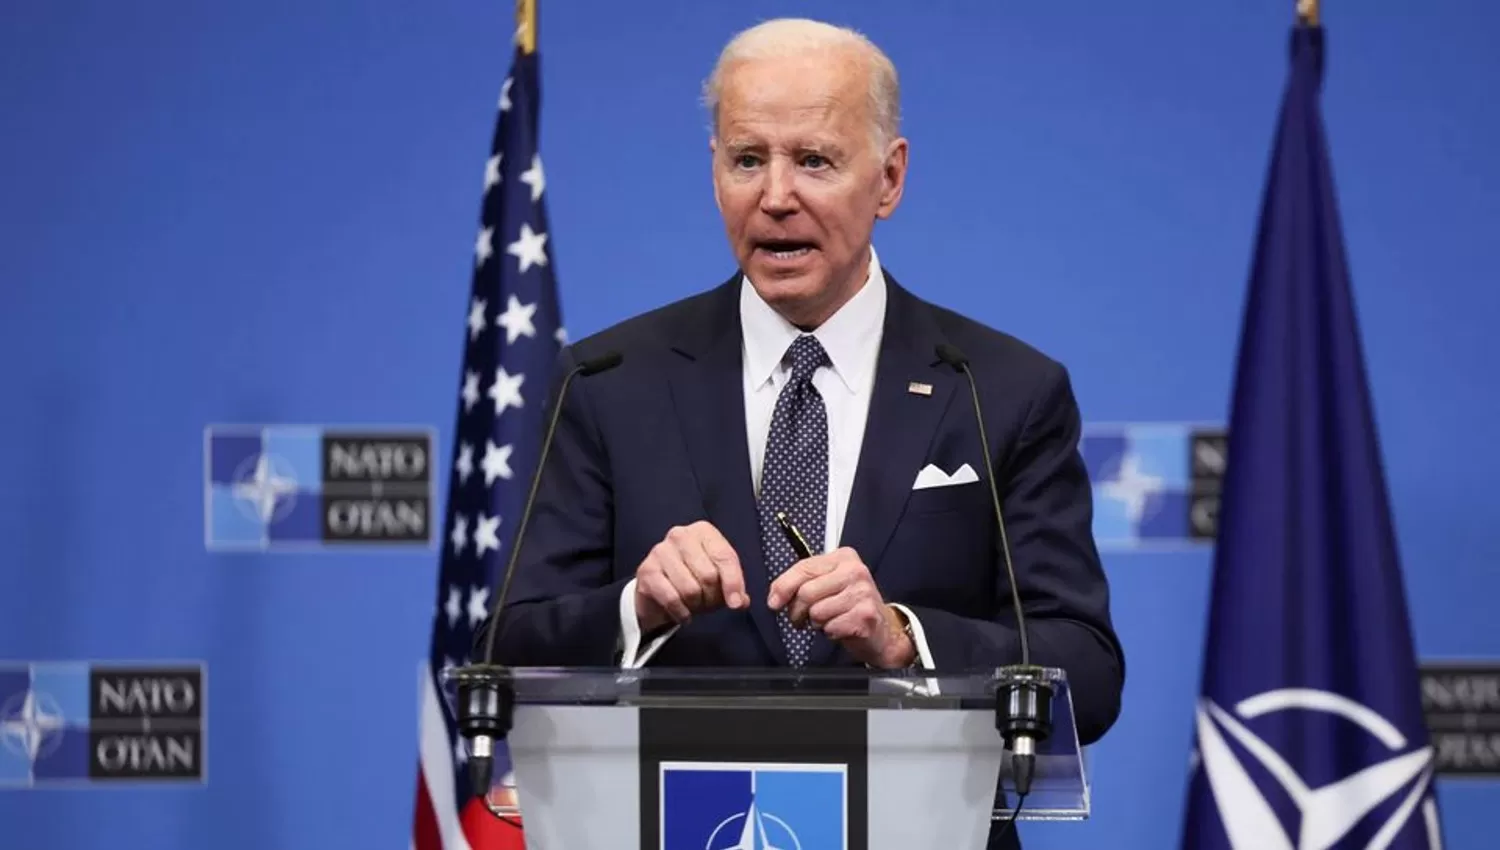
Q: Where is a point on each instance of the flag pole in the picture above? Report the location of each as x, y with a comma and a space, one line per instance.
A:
526, 26
1307, 12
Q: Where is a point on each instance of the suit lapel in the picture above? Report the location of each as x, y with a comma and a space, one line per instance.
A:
708, 393
899, 430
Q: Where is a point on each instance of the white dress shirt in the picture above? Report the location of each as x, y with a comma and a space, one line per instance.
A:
851, 337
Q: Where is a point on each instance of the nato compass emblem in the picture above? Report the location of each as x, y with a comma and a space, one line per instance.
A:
262, 488
1326, 815
747, 831
31, 731
67, 724
306, 487
738, 806
1156, 485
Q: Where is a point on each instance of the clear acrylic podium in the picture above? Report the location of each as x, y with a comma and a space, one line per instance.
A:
663, 758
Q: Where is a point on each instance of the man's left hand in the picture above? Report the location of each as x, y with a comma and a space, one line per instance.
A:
835, 593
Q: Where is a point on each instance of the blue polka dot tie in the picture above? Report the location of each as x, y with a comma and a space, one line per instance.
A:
794, 477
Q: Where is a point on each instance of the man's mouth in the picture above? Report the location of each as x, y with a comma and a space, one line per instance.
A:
785, 249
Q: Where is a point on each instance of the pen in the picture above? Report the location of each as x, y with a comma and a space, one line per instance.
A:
799, 543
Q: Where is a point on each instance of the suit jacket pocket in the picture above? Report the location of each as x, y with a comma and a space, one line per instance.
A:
952, 497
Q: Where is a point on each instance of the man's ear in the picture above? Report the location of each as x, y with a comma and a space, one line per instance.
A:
893, 177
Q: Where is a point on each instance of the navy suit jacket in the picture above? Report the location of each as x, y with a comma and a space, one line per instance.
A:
660, 441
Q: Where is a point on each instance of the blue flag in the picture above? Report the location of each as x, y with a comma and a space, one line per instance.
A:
1309, 731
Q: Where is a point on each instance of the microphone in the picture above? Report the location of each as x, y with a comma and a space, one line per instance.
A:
1023, 711
485, 696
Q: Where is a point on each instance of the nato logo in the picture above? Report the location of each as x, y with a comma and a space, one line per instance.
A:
1155, 485
71, 724
302, 487
739, 806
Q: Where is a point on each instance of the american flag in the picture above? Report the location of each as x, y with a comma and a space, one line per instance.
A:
511, 340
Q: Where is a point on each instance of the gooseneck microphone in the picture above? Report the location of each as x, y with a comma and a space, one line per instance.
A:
1023, 709
486, 697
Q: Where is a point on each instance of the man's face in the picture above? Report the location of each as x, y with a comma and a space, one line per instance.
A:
799, 181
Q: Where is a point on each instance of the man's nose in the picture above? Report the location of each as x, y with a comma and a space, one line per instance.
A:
779, 194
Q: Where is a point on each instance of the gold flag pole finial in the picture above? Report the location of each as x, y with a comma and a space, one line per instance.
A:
1307, 12
526, 25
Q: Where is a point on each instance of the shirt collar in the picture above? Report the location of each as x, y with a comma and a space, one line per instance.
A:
851, 336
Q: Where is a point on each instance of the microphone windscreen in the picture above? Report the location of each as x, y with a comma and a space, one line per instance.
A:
481, 774
951, 355
602, 363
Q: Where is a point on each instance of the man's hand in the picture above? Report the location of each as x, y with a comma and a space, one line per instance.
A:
835, 593
692, 570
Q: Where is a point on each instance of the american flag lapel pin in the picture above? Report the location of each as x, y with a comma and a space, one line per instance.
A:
919, 388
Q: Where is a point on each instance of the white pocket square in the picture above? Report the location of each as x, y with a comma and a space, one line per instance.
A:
931, 476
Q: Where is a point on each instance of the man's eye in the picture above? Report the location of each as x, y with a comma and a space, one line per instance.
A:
746, 160
814, 161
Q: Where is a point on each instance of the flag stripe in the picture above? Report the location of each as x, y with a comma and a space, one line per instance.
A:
437, 770
425, 830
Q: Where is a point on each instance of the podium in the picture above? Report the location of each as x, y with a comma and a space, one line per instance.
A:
707, 759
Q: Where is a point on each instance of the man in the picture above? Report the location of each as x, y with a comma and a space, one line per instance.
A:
808, 383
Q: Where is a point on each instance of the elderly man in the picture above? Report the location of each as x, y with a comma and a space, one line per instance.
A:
808, 384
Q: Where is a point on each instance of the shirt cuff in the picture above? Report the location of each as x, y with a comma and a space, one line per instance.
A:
925, 687
632, 655
918, 637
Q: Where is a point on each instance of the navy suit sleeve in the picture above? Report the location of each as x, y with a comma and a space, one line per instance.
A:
562, 608
1048, 506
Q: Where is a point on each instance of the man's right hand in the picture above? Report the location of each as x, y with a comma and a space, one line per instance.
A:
692, 570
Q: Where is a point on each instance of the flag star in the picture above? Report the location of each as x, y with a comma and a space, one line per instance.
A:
534, 178
479, 599
505, 94
561, 335
506, 391
492, 171
454, 609
517, 319
460, 535
476, 318
529, 248
486, 535
471, 390
460, 750
465, 463
483, 250
496, 463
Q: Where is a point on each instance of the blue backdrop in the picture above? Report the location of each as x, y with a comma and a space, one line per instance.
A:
265, 212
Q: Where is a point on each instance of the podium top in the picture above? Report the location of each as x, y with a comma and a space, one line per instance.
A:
845, 688
946, 720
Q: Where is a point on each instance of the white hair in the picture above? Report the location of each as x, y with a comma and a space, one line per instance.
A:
786, 37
